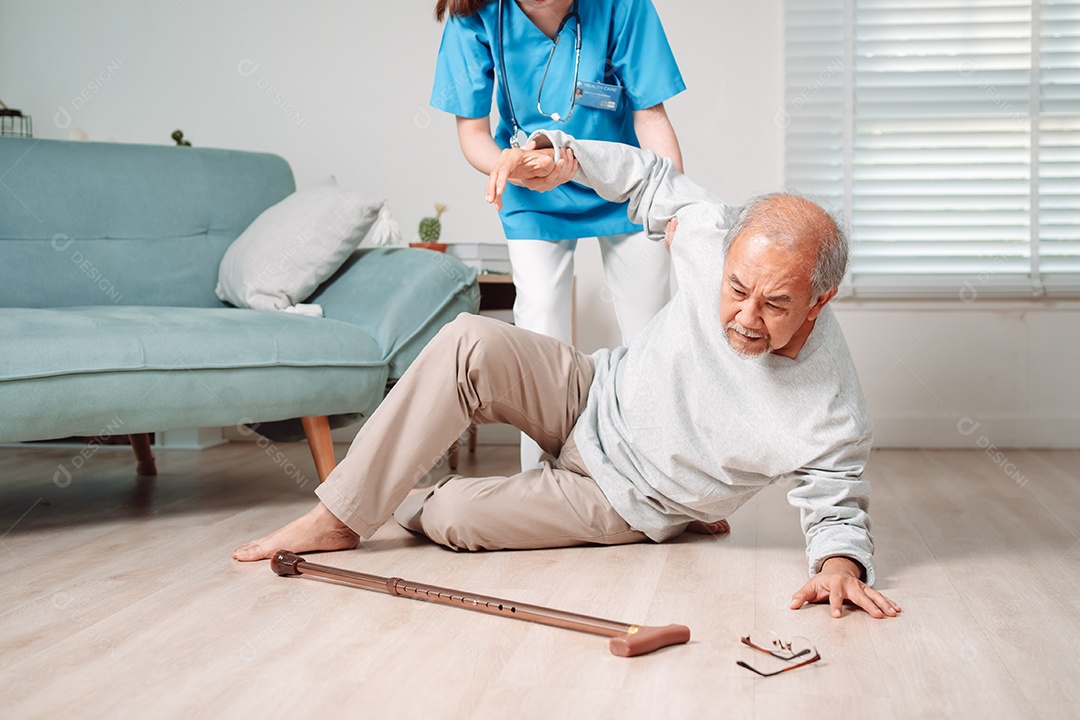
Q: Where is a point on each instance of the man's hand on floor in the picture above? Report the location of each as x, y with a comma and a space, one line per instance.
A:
839, 581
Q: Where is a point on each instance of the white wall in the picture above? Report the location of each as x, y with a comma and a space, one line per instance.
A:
998, 373
341, 88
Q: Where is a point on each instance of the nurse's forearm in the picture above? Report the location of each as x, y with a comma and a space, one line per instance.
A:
477, 145
655, 132
538, 172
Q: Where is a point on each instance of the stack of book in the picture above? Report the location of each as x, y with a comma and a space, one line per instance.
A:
485, 257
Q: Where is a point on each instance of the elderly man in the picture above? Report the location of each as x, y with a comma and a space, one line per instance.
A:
743, 380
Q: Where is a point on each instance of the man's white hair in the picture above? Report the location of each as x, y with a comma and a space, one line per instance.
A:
792, 219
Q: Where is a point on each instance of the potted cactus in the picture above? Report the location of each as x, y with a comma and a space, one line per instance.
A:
430, 229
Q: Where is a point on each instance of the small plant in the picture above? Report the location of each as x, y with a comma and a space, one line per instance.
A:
431, 227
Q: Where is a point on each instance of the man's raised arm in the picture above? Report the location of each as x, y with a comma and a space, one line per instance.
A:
656, 191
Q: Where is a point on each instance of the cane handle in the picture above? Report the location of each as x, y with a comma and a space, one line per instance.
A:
641, 640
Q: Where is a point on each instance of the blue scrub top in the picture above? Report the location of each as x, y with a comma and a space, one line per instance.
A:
623, 43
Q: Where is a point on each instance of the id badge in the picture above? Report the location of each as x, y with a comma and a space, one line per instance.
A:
598, 95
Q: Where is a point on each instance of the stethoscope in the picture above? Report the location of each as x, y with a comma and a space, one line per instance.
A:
517, 135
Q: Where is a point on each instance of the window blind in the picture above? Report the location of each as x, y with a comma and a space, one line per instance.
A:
947, 132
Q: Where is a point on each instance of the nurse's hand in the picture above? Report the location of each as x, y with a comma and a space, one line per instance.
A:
535, 164
669, 232
529, 168
559, 173
509, 161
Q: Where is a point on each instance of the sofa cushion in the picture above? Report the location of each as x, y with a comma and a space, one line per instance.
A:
415, 291
78, 370
294, 246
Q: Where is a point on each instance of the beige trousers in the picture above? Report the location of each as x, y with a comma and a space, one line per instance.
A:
479, 370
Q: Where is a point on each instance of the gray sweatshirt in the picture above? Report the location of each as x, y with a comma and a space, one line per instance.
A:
680, 427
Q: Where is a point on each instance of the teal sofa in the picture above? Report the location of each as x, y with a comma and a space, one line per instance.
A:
109, 324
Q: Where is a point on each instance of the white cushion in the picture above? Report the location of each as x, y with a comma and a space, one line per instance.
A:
295, 246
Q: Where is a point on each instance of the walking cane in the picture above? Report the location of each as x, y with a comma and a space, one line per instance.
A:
626, 640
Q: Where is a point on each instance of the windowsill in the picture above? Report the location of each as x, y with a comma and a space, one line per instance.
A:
955, 304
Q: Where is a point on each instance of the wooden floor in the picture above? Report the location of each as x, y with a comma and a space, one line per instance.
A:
120, 600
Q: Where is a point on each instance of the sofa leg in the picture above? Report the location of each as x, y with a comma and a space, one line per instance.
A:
317, 430
144, 456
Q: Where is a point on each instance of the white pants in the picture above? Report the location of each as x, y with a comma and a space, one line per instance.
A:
638, 272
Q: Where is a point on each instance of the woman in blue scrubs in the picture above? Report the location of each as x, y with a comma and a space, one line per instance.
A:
596, 69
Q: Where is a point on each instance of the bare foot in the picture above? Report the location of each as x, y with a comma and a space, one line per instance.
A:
714, 528
317, 530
